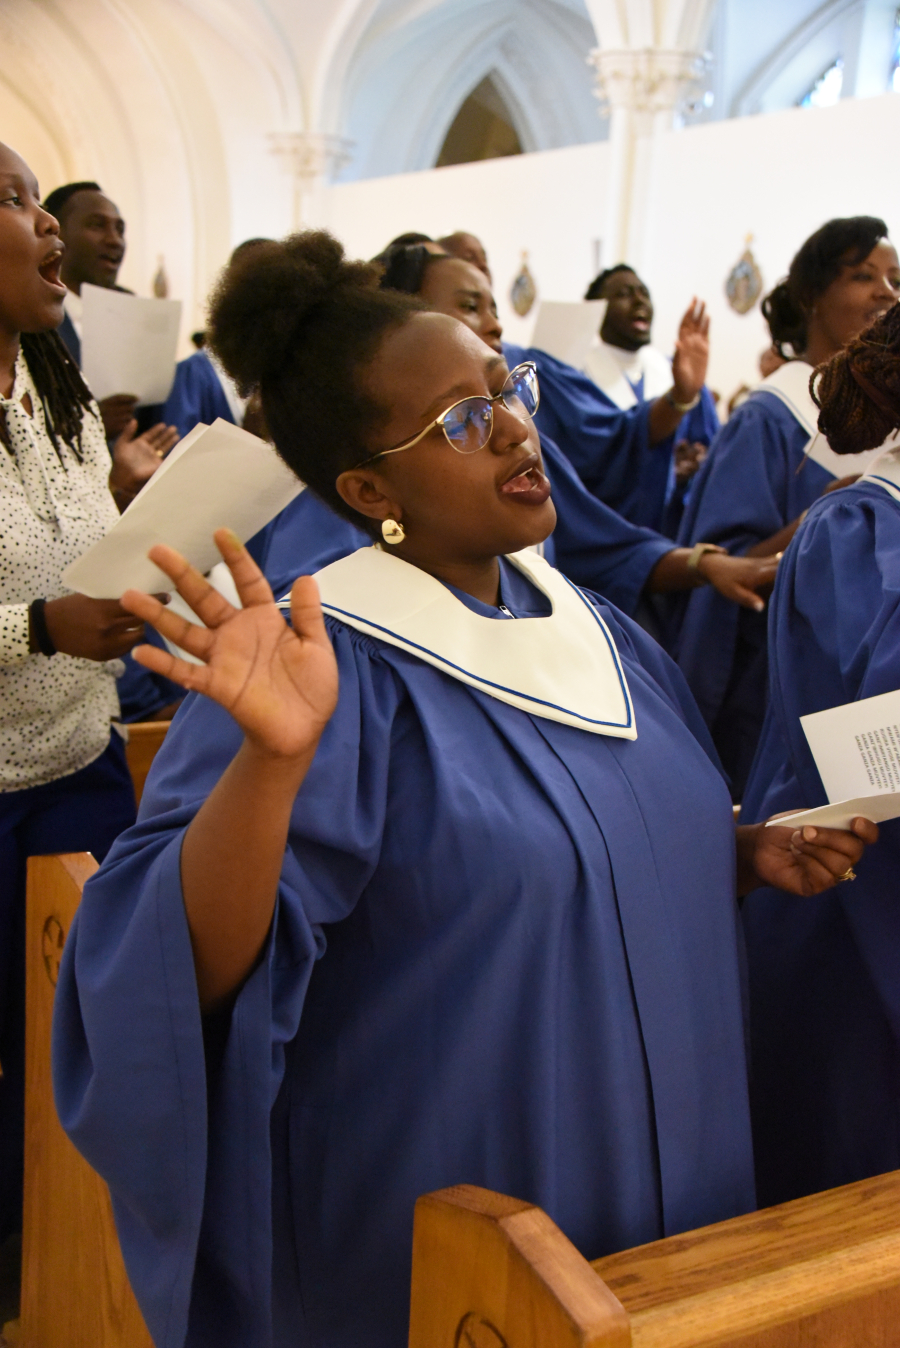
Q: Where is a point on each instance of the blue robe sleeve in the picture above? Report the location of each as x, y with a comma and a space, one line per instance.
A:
594, 546
129, 1067
825, 991
609, 449
196, 396
754, 482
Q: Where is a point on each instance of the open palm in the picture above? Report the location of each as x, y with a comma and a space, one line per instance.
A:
691, 352
278, 682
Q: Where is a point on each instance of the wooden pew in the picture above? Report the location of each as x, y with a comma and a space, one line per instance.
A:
144, 739
75, 1292
488, 1271
822, 1272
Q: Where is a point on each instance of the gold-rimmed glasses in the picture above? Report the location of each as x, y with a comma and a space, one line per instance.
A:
468, 424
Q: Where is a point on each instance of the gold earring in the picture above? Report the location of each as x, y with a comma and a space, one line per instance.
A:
392, 531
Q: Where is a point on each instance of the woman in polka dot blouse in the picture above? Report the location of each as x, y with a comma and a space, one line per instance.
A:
64, 783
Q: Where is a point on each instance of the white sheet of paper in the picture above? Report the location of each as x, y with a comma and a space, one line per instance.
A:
842, 813
217, 476
128, 344
857, 751
566, 330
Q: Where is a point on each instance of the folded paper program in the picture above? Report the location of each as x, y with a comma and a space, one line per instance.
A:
857, 751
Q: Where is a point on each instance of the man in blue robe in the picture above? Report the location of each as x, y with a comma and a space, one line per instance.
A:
628, 369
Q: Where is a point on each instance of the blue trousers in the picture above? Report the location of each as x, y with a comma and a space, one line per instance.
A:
84, 812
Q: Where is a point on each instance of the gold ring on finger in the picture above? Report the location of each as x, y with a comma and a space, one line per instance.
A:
849, 874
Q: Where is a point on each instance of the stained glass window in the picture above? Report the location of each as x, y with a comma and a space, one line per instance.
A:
827, 89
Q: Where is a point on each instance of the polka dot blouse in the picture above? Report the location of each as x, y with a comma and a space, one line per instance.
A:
55, 712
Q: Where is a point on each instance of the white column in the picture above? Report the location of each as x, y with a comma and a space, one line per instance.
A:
868, 40
312, 158
643, 88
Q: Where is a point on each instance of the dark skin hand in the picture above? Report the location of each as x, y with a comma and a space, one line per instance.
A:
92, 629
803, 861
458, 289
859, 294
280, 682
117, 412
689, 457
136, 458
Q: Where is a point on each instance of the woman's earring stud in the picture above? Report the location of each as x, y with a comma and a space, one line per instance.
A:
392, 531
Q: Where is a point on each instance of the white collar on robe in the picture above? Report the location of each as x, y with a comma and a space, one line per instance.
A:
563, 667
790, 384
614, 370
885, 470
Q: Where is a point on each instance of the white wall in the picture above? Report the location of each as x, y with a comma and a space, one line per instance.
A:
777, 176
548, 204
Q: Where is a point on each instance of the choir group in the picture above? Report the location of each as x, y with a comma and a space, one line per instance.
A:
437, 877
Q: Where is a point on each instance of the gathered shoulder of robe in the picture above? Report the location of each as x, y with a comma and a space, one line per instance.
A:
591, 544
825, 972
500, 955
754, 482
197, 395
609, 449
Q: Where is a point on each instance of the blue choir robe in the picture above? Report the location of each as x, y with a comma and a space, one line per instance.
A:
609, 449
197, 395
825, 971
627, 378
591, 544
498, 956
756, 479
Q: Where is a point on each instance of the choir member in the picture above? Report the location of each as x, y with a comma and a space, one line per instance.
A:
825, 1010
440, 889
64, 783
759, 478
625, 365
592, 544
623, 457
202, 391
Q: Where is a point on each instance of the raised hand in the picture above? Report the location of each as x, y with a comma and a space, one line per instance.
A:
691, 353
279, 684
803, 861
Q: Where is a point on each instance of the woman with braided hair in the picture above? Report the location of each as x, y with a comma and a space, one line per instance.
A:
64, 784
768, 465
825, 973
416, 895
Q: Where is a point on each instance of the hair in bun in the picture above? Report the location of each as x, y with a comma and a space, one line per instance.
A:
296, 320
858, 390
838, 243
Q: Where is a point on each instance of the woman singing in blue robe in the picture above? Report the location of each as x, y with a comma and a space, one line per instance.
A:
415, 895
825, 995
592, 544
758, 479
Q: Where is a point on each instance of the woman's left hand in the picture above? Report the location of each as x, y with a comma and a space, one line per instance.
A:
802, 861
136, 458
691, 353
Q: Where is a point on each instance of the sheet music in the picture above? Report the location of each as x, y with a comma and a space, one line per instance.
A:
566, 330
218, 476
128, 344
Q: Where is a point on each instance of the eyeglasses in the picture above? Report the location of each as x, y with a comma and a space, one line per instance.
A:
468, 424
